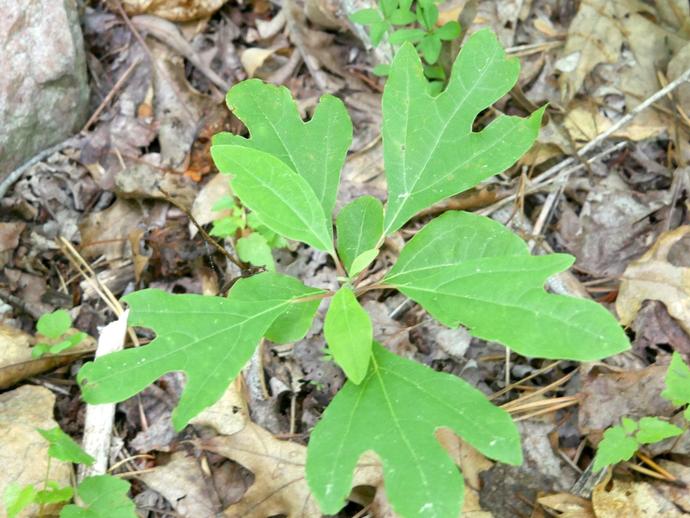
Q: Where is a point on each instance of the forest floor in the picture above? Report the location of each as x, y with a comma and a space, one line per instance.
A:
110, 211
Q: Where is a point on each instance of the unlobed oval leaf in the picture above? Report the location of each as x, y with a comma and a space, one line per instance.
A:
64, 448
348, 332
395, 413
282, 199
430, 150
470, 270
360, 227
208, 338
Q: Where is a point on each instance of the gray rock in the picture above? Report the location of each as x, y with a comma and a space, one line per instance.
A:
43, 84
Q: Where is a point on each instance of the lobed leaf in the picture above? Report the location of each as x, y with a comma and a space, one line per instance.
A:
282, 199
349, 332
360, 227
208, 338
55, 324
395, 413
315, 149
470, 270
430, 150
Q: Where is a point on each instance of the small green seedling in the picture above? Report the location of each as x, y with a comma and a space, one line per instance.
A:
620, 443
416, 22
463, 269
55, 326
100, 496
256, 240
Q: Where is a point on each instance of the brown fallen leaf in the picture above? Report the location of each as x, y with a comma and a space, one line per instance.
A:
663, 274
17, 364
280, 486
608, 396
182, 482
174, 10
24, 452
567, 505
626, 498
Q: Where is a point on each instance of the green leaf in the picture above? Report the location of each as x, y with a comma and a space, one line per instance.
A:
653, 429
430, 150
427, 15
55, 324
435, 72
254, 249
430, 47
294, 323
208, 338
621, 442
449, 31
315, 150
403, 35
615, 447
402, 17
363, 260
54, 494
360, 227
388, 7
348, 332
366, 16
226, 227
677, 381
17, 498
395, 413
40, 349
103, 496
381, 70
283, 200
470, 270
63, 447
377, 32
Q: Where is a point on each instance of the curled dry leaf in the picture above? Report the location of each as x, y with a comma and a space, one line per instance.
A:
663, 274
175, 10
280, 486
626, 498
182, 482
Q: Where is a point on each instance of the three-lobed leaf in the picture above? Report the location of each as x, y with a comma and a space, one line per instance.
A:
315, 149
360, 227
470, 270
349, 334
430, 150
208, 338
55, 324
395, 413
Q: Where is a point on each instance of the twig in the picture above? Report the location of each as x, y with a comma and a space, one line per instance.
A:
203, 233
116, 88
622, 122
98, 422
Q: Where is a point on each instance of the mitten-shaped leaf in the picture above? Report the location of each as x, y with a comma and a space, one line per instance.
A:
360, 226
395, 413
348, 332
315, 150
282, 199
470, 270
430, 150
208, 338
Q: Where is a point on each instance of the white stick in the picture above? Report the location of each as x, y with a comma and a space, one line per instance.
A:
98, 423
